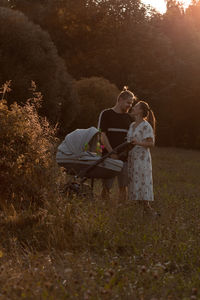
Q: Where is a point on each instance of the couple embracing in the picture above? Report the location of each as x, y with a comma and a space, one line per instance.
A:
117, 126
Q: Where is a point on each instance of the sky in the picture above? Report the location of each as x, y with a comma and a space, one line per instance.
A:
160, 4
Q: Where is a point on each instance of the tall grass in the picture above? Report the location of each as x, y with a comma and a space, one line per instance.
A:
78, 248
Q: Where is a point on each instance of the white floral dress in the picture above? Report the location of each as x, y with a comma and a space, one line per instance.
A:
140, 186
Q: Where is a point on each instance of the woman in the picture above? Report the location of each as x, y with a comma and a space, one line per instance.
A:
141, 135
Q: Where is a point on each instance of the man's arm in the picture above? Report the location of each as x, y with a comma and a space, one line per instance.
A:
106, 143
102, 125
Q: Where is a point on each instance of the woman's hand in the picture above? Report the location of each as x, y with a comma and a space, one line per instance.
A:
135, 142
147, 143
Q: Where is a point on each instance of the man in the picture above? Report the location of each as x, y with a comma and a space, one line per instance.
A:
114, 124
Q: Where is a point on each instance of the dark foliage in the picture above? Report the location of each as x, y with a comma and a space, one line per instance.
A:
28, 53
157, 56
95, 94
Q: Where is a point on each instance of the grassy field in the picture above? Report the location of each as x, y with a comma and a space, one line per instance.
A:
81, 249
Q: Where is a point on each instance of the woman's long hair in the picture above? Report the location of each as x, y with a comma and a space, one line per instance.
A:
148, 114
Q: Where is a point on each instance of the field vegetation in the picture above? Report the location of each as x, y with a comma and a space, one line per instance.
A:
55, 246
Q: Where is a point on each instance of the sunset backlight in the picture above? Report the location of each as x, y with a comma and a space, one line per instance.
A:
160, 5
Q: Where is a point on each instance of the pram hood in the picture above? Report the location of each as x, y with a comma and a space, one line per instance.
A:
74, 142
73, 156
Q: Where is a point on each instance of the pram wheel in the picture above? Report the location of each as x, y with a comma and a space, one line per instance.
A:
75, 188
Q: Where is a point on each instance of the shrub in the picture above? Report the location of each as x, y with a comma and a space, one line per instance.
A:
95, 94
28, 171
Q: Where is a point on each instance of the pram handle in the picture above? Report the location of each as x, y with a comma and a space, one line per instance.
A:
120, 148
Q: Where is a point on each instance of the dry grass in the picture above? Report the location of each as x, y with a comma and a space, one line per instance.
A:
82, 249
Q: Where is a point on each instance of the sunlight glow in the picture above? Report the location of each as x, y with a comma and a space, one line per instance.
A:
160, 5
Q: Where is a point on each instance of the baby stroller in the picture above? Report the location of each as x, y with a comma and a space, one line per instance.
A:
77, 154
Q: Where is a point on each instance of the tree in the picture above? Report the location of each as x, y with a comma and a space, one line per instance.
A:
27, 53
156, 55
178, 103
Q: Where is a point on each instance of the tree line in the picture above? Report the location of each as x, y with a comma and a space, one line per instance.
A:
81, 53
